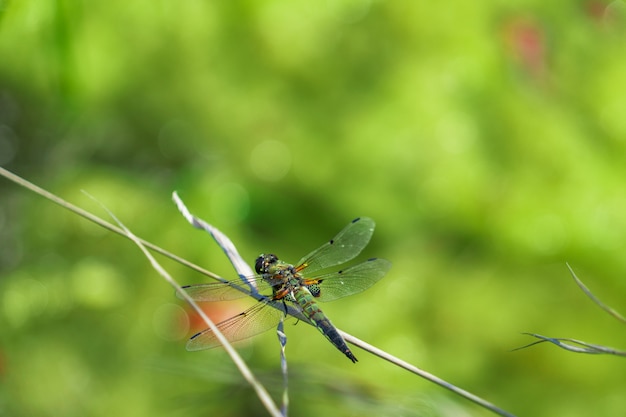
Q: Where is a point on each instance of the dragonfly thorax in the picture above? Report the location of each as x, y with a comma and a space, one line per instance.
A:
281, 276
273, 270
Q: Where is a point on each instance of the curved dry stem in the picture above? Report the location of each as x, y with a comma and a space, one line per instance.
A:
595, 299
574, 345
426, 375
579, 346
261, 392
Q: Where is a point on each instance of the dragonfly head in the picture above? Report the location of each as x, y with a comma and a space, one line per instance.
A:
263, 263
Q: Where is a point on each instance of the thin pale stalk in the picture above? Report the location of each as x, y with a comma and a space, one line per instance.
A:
595, 299
245, 273
97, 220
589, 348
123, 231
579, 346
261, 392
426, 375
282, 339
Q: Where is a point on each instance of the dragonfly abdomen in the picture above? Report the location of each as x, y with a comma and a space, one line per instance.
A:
312, 311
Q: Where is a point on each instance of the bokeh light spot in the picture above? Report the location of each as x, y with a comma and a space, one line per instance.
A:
270, 160
97, 285
24, 299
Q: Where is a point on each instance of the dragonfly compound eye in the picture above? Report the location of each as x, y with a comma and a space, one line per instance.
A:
258, 264
263, 263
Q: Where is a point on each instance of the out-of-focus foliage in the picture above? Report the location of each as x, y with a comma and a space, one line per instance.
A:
488, 141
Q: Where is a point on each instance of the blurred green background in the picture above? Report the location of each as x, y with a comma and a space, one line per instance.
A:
487, 140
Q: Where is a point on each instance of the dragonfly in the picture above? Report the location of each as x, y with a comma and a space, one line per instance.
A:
288, 288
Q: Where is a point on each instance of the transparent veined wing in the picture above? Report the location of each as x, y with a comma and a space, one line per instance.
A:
255, 320
351, 280
223, 291
345, 246
217, 291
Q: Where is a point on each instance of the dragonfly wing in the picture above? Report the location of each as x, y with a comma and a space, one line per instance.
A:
345, 246
218, 291
221, 291
352, 280
257, 319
